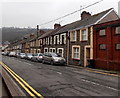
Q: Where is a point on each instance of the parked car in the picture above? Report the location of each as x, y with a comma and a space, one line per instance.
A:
53, 58
12, 54
3, 53
28, 56
22, 55
17, 55
37, 57
7, 53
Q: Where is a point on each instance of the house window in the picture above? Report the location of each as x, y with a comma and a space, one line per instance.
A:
83, 34
102, 32
44, 41
48, 40
76, 52
60, 51
45, 50
63, 39
52, 50
51, 40
73, 35
56, 39
117, 30
102, 46
117, 46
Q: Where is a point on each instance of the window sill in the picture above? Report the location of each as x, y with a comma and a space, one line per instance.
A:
102, 35
76, 59
84, 40
73, 40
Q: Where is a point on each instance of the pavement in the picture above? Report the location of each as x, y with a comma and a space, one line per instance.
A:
101, 71
51, 80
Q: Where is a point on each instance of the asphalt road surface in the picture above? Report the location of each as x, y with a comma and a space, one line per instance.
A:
55, 80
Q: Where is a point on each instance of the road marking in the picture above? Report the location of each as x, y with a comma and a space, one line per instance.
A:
20, 80
99, 84
59, 72
102, 73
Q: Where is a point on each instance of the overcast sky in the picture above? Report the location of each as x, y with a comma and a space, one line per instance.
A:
29, 13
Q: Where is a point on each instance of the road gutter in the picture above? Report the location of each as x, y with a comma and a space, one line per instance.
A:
110, 73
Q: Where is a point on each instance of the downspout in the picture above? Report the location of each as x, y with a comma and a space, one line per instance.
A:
68, 45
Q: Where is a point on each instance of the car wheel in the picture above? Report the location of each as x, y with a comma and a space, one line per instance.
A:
52, 63
43, 61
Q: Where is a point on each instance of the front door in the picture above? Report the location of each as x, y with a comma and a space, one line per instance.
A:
86, 55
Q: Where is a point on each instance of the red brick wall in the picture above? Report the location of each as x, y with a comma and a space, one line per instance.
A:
109, 58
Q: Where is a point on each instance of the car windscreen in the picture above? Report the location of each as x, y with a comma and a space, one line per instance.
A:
30, 54
22, 54
55, 55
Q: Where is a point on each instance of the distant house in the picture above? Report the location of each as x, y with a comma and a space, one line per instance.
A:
107, 45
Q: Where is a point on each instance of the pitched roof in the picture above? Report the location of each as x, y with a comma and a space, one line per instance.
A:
85, 22
50, 33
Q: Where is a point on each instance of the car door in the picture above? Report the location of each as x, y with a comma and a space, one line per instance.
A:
49, 58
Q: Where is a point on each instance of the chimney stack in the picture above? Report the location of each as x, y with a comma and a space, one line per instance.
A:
57, 26
85, 15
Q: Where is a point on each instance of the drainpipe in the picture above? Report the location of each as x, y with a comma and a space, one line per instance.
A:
68, 45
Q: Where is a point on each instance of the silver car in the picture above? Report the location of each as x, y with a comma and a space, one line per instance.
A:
53, 58
37, 57
28, 56
22, 55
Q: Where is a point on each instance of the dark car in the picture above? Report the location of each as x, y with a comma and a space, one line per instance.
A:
37, 57
53, 58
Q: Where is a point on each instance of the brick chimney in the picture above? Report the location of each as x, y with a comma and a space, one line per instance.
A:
56, 26
85, 15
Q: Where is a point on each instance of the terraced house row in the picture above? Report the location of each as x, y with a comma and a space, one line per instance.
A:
73, 41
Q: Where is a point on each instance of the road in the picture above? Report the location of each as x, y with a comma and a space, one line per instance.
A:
55, 80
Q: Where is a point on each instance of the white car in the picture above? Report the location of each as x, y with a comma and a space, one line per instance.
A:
12, 54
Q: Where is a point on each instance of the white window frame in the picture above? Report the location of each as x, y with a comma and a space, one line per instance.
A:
116, 30
64, 38
62, 51
81, 39
52, 49
50, 39
44, 49
71, 36
101, 31
75, 46
57, 39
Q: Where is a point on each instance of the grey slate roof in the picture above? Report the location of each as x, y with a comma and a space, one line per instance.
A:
83, 23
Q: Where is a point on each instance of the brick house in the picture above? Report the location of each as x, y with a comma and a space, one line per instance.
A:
79, 35
50, 40
74, 41
107, 45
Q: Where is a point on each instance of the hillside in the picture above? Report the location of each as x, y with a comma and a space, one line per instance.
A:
11, 34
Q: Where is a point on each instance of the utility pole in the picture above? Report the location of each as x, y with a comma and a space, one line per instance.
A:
37, 30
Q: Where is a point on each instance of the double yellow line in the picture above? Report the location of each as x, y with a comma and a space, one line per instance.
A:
24, 84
